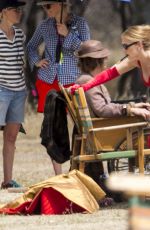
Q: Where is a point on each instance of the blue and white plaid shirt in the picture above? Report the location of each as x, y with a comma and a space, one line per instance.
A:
46, 32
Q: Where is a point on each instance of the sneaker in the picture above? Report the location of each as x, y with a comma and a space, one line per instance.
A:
11, 184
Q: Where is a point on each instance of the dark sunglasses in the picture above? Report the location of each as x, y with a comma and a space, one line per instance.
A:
47, 6
126, 46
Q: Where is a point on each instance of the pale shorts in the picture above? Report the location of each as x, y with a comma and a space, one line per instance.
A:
12, 106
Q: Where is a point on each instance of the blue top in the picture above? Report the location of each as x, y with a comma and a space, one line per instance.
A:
46, 32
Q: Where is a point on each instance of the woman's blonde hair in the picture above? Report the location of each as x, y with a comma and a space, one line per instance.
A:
138, 33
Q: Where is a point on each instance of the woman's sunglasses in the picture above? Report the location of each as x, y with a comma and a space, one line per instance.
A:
126, 46
47, 6
16, 9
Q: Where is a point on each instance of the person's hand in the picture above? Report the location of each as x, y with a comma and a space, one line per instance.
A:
143, 112
34, 93
42, 63
62, 29
73, 88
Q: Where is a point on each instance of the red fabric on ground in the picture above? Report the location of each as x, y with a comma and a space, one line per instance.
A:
48, 202
19, 210
53, 202
42, 90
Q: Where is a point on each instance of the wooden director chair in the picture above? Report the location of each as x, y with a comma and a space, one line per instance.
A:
103, 139
137, 189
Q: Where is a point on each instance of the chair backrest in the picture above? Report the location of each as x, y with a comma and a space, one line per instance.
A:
85, 120
70, 106
82, 111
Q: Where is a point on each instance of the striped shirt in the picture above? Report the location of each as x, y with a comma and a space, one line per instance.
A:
46, 32
11, 61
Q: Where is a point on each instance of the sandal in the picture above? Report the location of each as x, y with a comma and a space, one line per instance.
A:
11, 184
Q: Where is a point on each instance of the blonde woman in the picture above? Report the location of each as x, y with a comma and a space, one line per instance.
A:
136, 45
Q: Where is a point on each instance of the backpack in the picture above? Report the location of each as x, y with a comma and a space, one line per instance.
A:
54, 130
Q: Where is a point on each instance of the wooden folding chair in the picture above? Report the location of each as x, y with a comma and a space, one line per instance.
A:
100, 137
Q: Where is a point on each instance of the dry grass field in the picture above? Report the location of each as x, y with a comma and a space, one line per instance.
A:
32, 164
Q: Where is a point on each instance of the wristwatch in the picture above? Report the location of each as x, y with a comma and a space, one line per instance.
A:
124, 110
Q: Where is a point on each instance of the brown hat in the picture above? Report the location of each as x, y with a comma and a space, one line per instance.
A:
42, 2
93, 49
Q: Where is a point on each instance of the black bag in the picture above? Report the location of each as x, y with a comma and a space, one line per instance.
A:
54, 131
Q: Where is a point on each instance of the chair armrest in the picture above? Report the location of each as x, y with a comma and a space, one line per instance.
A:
97, 119
125, 126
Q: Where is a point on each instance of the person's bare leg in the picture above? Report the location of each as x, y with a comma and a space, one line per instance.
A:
57, 167
9, 136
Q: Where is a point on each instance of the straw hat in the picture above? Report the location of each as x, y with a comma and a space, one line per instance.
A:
10, 3
93, 49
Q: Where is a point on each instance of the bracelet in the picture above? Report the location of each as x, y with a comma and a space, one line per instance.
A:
124, 110
132, 104
129, 113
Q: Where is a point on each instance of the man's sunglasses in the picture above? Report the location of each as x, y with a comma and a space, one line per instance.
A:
47, 6
126, 46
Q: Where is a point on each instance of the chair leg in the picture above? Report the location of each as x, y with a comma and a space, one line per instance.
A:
82, 152
141, 151
75, 152
130, 146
